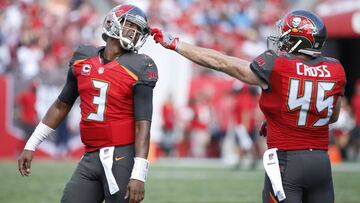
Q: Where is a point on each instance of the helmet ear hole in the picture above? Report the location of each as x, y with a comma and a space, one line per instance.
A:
104, 36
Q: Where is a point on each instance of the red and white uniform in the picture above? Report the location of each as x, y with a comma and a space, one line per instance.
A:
300, 99
106, 95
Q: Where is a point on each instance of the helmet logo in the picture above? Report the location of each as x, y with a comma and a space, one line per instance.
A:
300, 26
119, 12
295, 24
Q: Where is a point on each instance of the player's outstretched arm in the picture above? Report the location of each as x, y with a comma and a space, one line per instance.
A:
209, 58
52, 119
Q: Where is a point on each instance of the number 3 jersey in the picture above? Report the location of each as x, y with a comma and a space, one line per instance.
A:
106, 95
300, 98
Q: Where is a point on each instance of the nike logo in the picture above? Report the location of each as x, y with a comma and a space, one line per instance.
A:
118, 158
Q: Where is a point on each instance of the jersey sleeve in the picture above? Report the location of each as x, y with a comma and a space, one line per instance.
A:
148, 73
142, 66
83, 52
143, 102
143, 89
263, 65
69, 93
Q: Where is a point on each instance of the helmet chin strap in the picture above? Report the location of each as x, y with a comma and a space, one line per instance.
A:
310, 52
126, 43
295, 46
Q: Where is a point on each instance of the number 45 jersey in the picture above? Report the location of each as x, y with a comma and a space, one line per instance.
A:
300, 99
106, 95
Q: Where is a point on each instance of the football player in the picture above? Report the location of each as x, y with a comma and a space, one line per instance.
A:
115, 85
301, 95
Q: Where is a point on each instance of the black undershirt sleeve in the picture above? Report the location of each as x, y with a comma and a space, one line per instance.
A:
143, 105
69, 93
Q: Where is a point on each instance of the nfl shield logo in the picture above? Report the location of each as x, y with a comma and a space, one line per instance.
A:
271, 156
101, 70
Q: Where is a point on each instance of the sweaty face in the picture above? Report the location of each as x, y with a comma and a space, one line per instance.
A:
131, 31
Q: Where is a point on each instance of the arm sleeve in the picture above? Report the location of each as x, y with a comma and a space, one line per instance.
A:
143, 105
143, 89
263, 65
69, 93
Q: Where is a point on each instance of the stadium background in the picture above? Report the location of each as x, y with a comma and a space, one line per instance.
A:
196, 112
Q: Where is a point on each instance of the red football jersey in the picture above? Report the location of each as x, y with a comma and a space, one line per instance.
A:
106, 95
300, 99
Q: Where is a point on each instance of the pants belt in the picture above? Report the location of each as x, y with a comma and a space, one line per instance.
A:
302, 151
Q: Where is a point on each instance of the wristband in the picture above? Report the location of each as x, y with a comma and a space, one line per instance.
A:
40, 133
140, 169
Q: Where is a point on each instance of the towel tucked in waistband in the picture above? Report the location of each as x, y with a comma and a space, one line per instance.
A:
271, 165
106, 157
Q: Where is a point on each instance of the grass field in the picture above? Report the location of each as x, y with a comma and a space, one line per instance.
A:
168, 182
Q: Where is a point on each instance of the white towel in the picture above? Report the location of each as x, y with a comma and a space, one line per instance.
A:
271, 165
106, 157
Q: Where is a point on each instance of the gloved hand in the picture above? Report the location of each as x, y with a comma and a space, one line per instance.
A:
263, 129
165, 39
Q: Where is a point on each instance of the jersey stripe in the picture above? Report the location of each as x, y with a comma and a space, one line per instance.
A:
130, 73
79, 61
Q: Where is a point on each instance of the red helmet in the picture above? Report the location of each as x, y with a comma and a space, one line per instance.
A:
300, 31
115, 22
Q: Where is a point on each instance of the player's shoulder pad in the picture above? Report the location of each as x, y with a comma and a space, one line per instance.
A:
263, 65
267, 57
141, 65
83, 52
331, 60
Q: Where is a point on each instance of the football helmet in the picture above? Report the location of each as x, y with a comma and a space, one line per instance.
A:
300, 31
115, 25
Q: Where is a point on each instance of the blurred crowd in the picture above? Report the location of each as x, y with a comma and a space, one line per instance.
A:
38, 37
218, 122
235, 27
